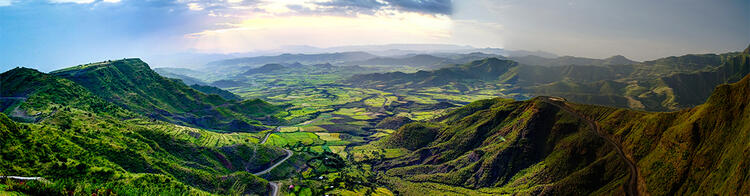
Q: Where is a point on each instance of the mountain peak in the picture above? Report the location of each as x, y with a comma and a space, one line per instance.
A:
134, 63
618, 59
265, 69
747, 50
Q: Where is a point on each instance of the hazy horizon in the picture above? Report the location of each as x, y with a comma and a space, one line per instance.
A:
49, 35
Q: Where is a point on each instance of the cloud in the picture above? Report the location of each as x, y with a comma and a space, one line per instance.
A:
72, 1
368, 4
277, 7
444, 7
424, 6
271, 32
83, 1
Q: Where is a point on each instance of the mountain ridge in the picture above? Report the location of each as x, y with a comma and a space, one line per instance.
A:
132, 84
501, 146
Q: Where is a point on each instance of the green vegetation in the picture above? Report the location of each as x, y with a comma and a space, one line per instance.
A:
86, 153
118, 128
83, 144
29, 95
497, 146
213, 90
500, 147
700, 150
133, 85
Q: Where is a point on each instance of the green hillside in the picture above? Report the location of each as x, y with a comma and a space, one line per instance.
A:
167, 72
264, 69
214, 90
501, 146
131, 84
87, 154
533, 147
30, 95
702, 150
83, 144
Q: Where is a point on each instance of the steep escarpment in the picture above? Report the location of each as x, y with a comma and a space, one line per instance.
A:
79, 141
702, 150
30, 95
533, 147
214, 90
131, 84
503, 146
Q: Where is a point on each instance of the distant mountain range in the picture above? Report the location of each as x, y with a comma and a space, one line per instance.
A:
177, 73
379, 54
426, 61
295, 58
488, 69
570, 60
664, 84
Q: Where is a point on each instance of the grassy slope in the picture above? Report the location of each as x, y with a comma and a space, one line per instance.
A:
500, 146
44, 93
702, 150
132, 84
85, 153
81, 143
213, 90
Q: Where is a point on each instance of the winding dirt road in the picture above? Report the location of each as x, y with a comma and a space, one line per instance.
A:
274, 188
632, 187
289, 153
275, 185
277, 129
22, 178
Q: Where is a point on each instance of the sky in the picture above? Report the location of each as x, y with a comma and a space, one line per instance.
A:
53, 34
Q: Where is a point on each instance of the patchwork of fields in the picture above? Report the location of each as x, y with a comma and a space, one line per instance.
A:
327, 118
